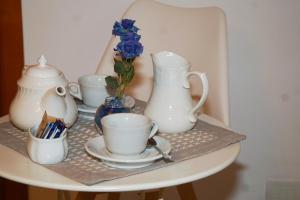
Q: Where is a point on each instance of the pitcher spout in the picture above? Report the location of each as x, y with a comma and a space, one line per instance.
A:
168, 59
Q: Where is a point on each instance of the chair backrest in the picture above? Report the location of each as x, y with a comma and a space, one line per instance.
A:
197, 34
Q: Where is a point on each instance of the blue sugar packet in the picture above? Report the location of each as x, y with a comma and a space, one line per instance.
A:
59, 127
53, 129
50, 132
50, 127
46, 130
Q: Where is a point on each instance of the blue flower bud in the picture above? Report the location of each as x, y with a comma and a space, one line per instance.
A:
130, 36
126, 26
130, 49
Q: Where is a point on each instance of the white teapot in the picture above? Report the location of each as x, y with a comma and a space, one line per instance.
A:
42, 88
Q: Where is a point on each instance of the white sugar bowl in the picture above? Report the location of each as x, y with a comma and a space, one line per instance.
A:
46, 151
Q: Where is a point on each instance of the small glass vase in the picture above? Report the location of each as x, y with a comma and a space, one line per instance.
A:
110, 106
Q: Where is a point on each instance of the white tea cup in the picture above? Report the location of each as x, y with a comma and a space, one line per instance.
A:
126, 134
91, 89
46, 151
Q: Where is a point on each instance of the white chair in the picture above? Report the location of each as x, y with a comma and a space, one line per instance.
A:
197, 34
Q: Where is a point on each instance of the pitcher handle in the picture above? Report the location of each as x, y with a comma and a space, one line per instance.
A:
186, 84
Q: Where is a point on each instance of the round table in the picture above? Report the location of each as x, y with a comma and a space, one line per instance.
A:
18, 168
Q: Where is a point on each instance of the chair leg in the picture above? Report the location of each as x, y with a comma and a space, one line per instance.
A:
86, 195
113, 196
186, 191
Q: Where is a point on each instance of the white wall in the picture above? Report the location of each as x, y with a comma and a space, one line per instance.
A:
264, 58
72, 34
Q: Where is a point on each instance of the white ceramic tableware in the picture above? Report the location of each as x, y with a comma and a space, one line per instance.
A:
42, 88
170, 104
91, 89
126, 134
96, 147
46, 151
85, 111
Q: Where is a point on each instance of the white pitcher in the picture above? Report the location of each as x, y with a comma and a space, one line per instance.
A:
170, 104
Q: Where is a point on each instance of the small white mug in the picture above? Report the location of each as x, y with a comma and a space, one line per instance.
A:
126, 134
91, 89
46, 151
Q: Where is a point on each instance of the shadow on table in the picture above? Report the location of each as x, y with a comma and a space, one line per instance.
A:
220, 186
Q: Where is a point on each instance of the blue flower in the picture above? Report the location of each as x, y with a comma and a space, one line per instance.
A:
127, 23
127, 50
130, 49
130, 36
126, 26
118, 29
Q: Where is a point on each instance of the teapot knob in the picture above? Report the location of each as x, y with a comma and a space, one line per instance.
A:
42, 61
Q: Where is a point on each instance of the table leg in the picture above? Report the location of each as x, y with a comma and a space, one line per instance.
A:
2, 195
186, 191
155, 195
86, 195
142, 195
63, 195
12, 190
67, 195
60, 195
113, 196
160, 195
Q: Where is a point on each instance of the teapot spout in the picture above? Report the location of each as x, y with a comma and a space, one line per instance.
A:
54, 103
60, 91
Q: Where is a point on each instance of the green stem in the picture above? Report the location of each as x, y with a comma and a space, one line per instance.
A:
122, 79
122, 85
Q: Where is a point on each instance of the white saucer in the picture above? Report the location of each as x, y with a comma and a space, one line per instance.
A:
96, 147
86, 109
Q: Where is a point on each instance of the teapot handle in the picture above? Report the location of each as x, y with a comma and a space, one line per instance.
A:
186, 84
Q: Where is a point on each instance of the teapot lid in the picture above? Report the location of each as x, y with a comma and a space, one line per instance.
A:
41, 75
42, 70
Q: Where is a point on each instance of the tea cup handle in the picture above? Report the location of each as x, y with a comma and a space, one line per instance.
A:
74, 90
186, 84
154, 129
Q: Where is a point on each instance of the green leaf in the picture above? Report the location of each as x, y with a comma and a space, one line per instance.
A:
119, 67
129, 74
111, 82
